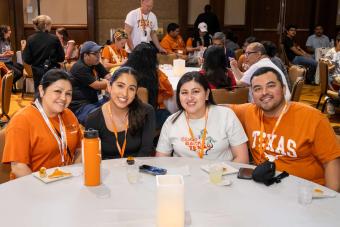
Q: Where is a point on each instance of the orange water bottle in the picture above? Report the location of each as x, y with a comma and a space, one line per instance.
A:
91, 157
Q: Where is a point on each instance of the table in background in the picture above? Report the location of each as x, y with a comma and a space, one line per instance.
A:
171, 103
29, 202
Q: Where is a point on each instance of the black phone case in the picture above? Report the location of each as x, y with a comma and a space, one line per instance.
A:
245, 173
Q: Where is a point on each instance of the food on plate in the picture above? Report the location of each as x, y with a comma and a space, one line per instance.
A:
42, 172
58, 173
318, 191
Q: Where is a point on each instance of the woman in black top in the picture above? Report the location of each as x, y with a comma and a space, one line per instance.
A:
125, 117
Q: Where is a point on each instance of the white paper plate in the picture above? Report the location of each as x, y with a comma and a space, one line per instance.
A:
319, 192
228, 169
48, 172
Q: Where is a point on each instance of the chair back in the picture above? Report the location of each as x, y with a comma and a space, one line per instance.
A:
28, 70
295, 72
236, 96
6, 92
142, 94
297, 89
5, 169
238, 53
283, 55
323, 73
166, 58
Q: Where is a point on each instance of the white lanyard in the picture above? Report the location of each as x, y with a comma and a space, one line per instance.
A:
62, 142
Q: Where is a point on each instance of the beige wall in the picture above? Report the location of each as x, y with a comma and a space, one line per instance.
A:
112, 13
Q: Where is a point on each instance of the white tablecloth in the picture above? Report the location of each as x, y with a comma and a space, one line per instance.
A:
171, 103
29, 202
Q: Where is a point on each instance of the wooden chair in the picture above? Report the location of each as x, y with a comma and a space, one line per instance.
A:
28, 74
6, 92
297, 89
238, 53
325, 90
5, 169
166, 58
236, 96
295, 72
142, 94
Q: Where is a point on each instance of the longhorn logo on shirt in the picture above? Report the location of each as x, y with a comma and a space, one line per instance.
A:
278, 145
195, 144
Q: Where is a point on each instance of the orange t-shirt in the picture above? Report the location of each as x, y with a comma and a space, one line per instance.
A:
172, 45
113, 54
29, 140
303, 141
165, 90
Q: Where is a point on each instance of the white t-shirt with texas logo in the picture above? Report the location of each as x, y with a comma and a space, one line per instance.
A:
223, 130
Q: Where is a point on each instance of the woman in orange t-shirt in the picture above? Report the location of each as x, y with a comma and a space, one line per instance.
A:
114, 55
46, 133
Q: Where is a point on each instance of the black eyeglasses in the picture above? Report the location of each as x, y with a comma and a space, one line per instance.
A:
249, 53
95, 53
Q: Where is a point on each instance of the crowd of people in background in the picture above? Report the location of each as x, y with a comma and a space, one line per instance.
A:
100, 92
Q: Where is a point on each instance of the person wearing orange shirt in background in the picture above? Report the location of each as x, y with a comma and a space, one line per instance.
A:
114, 55
49, 133
173, 42
298, 137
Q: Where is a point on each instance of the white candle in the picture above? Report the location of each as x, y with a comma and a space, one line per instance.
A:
170, 201
179, 67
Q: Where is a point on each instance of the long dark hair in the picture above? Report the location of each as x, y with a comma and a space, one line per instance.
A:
50, 77
207, 40
187, 77
215, 67
3, 30
144, 60
62, 31
137, 111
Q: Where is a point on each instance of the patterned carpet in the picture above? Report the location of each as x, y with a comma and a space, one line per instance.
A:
310, 95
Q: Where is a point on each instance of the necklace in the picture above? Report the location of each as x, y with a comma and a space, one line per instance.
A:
144, 22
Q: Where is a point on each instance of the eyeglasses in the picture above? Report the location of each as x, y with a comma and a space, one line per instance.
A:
249, 53
95, 53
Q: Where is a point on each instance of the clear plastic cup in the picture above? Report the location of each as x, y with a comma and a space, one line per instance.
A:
215, 173
305, 193
132, 173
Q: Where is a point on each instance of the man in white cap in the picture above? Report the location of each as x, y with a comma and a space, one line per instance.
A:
198, 43
141, 26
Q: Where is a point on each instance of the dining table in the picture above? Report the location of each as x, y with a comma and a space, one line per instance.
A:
28, 201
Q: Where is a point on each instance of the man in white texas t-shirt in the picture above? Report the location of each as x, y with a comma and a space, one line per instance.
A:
141, 26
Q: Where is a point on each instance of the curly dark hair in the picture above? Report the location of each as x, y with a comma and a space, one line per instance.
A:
215, 67
143, 59
3, 29
137, 112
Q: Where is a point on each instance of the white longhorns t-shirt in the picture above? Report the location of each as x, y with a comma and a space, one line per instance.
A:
223, 130
142, 25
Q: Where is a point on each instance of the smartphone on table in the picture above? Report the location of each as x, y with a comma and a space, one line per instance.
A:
245, 173
153, 170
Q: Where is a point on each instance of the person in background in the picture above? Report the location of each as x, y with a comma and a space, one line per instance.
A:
201, 129
144, 60
196, 45
6, 53
215, 69
256, 58
141, 26
219, 40
317, 40
271, 51
114, 55
241, 63
43, 50
297, 55
69, 45
231, 41
49, 133
209, 18
89, 78
298, 137
173, 42
126, 126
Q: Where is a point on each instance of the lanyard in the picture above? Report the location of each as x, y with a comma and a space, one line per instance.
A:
120, 149
62, 140
201, 151
263, 143
144, 22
